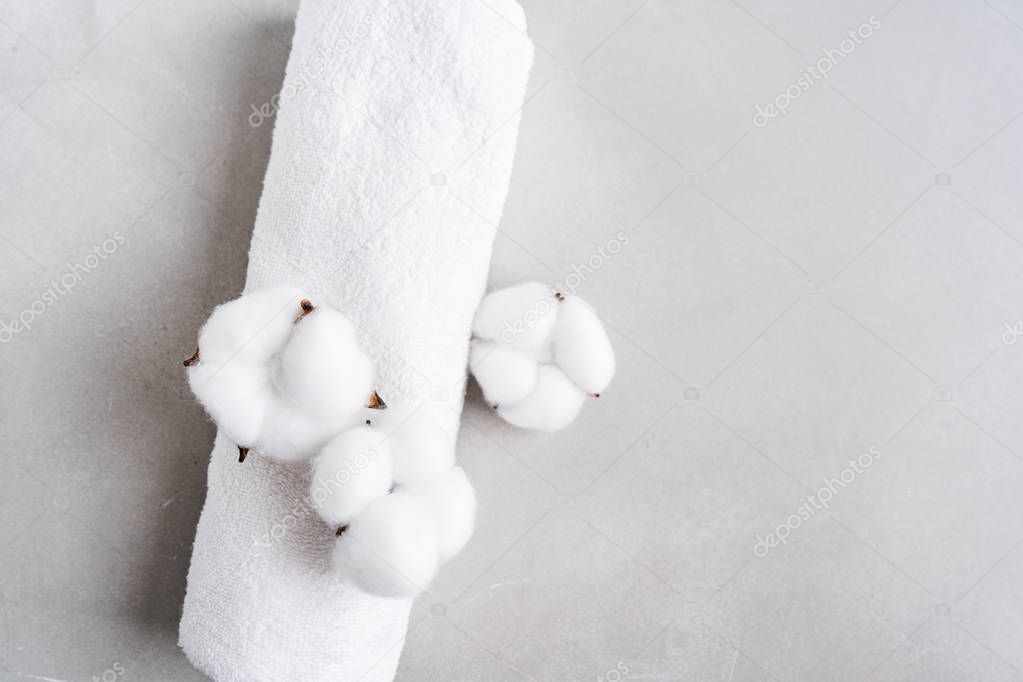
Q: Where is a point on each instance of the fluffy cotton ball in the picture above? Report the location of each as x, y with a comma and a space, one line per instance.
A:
390, 549
323, 369
505, 373
236, 395
553, 404
522, 315
536, 354
351, 471
231, 372
251, 328
581, 347
280, 375
420, 446
451, 500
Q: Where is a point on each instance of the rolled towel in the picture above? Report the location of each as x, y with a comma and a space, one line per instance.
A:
390, 163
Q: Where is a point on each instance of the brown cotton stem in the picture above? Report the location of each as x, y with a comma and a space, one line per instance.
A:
375, 402
307, 307
242, 453
593, 395
558, 295
340, 531
194, 360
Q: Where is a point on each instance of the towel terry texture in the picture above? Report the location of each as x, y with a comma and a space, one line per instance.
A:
390, 164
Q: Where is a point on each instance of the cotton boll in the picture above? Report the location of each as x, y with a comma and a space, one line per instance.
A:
537, 354
323, 369
451, 500
251, 328
236, 395
505, 373
390, 549
420, 447
351, 471
522, 315
553, 404
581, 347
279, 374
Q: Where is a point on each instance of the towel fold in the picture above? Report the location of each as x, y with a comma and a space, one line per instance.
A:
395, 136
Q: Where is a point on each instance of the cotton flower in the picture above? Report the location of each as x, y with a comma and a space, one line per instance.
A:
280, 375
351, 471
537, 355
395, 546
390, 549
287, 379
421, 447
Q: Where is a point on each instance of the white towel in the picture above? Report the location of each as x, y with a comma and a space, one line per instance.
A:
367, 204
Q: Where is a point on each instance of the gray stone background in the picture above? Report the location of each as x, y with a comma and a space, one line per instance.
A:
796, 290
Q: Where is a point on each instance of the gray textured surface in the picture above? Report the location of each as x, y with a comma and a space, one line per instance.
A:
846, 277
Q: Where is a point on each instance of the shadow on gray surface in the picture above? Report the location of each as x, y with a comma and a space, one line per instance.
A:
225, 198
